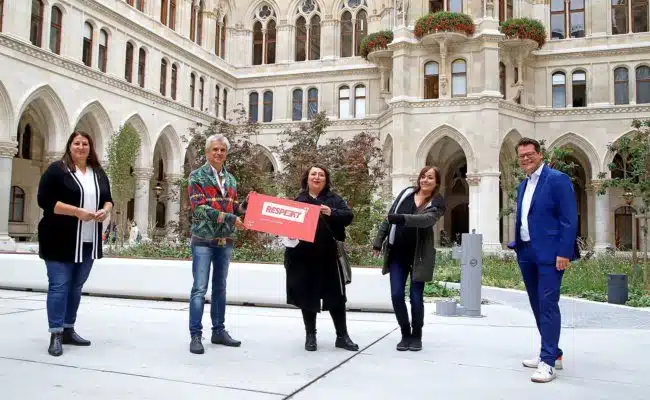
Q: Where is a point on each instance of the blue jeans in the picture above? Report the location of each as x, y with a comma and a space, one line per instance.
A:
543, 283
398, 276
202, 257
65, 282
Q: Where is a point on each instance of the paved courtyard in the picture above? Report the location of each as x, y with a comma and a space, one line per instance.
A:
140, 351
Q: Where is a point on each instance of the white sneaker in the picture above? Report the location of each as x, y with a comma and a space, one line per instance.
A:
544, 373
534, 362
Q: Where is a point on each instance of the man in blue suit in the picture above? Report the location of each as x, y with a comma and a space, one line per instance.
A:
545, 242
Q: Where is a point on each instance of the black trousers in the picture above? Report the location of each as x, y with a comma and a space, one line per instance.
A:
338, 317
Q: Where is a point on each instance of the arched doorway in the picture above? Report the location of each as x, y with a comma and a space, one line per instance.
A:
623, 225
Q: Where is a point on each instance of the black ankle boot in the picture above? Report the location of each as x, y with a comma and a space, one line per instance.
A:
416, 340
404, 344
71, 337
310, 342
56, 347
344, 342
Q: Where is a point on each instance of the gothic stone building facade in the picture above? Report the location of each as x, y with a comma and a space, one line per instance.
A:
460, 103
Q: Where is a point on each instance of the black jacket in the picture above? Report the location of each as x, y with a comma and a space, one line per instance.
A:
312, 270
59, 236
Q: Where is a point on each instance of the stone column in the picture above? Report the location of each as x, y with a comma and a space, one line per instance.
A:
142, 185
488, 217
285, 53
7, 152
474, 202
173, 206
490, 67
329, 29
602, 217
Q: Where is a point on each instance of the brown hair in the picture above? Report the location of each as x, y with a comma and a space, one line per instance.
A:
527, 142
305, 178
93, 160
423, 172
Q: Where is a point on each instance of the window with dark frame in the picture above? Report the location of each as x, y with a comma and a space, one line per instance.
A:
128, 63
579, 88
268, 106
270, 42
201, 88
643, 84
142, 67
347, 31
621, 86
225, 103
301, 39
253, 107
344, 102
217, 101
360, 30
559, 90
296, 105
87, 52
312, 103
431, 80
192, 89
103, 50
55, 30
174, 81
258, 43
163, 77
36, 28
17, 205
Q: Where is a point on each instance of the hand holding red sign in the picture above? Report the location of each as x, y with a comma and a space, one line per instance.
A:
282, 217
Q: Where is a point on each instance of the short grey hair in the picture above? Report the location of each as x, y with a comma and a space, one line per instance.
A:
217, 138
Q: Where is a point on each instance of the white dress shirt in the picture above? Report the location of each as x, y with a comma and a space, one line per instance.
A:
87, 181
524, 233
219, 176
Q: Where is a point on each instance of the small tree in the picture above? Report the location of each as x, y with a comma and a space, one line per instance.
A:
632, 176
123, 148
356, 167
243, 161
513, 174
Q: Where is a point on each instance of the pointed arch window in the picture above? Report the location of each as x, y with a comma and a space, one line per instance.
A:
223, 38
502, 79
174, 81
431, 80
308, 31
621, 86
2, 7
87, 52
643, 85
360, 101
344, 102
193, 7
199, 24
579, 87
459, 78
142, 67
559, 90
264, 35
347, 31
55, 30
354, 26
314, 38
36, 27
103, 50
505, 10
220, 38
268, 106
360, 30
163, 77
253, 106
312, 103
17, 205
301, 39
217, 93
192, 89
128, 63
225, 103
201, 88
296, 109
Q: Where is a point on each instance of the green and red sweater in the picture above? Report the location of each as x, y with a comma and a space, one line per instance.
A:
213, 213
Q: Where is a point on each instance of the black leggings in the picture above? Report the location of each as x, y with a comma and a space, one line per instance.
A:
338, 317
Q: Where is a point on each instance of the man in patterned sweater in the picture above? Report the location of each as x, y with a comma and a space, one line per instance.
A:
213, 198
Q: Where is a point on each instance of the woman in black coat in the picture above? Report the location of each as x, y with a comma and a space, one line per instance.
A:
312, 270
75, 196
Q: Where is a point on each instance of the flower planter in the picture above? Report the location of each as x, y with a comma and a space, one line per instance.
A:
375, 42
444, 21
524, 29
378, 55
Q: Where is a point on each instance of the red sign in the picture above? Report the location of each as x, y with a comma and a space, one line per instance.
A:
282, 217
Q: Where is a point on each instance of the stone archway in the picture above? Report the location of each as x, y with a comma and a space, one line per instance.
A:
508, 166
94, 120
164, 202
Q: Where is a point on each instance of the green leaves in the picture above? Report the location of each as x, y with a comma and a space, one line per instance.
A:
524, 28
444, 21
123, 148
375, 41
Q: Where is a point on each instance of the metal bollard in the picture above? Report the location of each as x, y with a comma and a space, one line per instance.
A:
471, 272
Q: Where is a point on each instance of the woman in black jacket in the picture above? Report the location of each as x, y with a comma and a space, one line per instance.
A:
406, 238
75, 196
312, 270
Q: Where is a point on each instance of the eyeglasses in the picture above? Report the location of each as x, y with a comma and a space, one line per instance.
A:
530, 155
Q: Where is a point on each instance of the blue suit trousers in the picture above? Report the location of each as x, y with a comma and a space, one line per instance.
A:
543, 283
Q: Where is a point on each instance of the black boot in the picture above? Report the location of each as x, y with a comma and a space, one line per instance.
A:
310, 341
71, 337
416, 340
196, 347
404, 344
56, 347
344, 342
225, 339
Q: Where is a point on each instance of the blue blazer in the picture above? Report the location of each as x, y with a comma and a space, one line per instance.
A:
552, 218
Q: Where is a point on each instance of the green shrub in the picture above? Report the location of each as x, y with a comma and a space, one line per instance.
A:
375, 41
524, 28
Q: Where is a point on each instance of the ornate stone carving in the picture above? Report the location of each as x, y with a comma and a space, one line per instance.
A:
8, 149
473, 180
143, 174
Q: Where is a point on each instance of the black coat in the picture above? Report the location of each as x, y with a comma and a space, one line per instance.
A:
312, 271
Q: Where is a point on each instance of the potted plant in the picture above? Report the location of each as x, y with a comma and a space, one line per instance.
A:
375, 41
444, 21
524, 28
